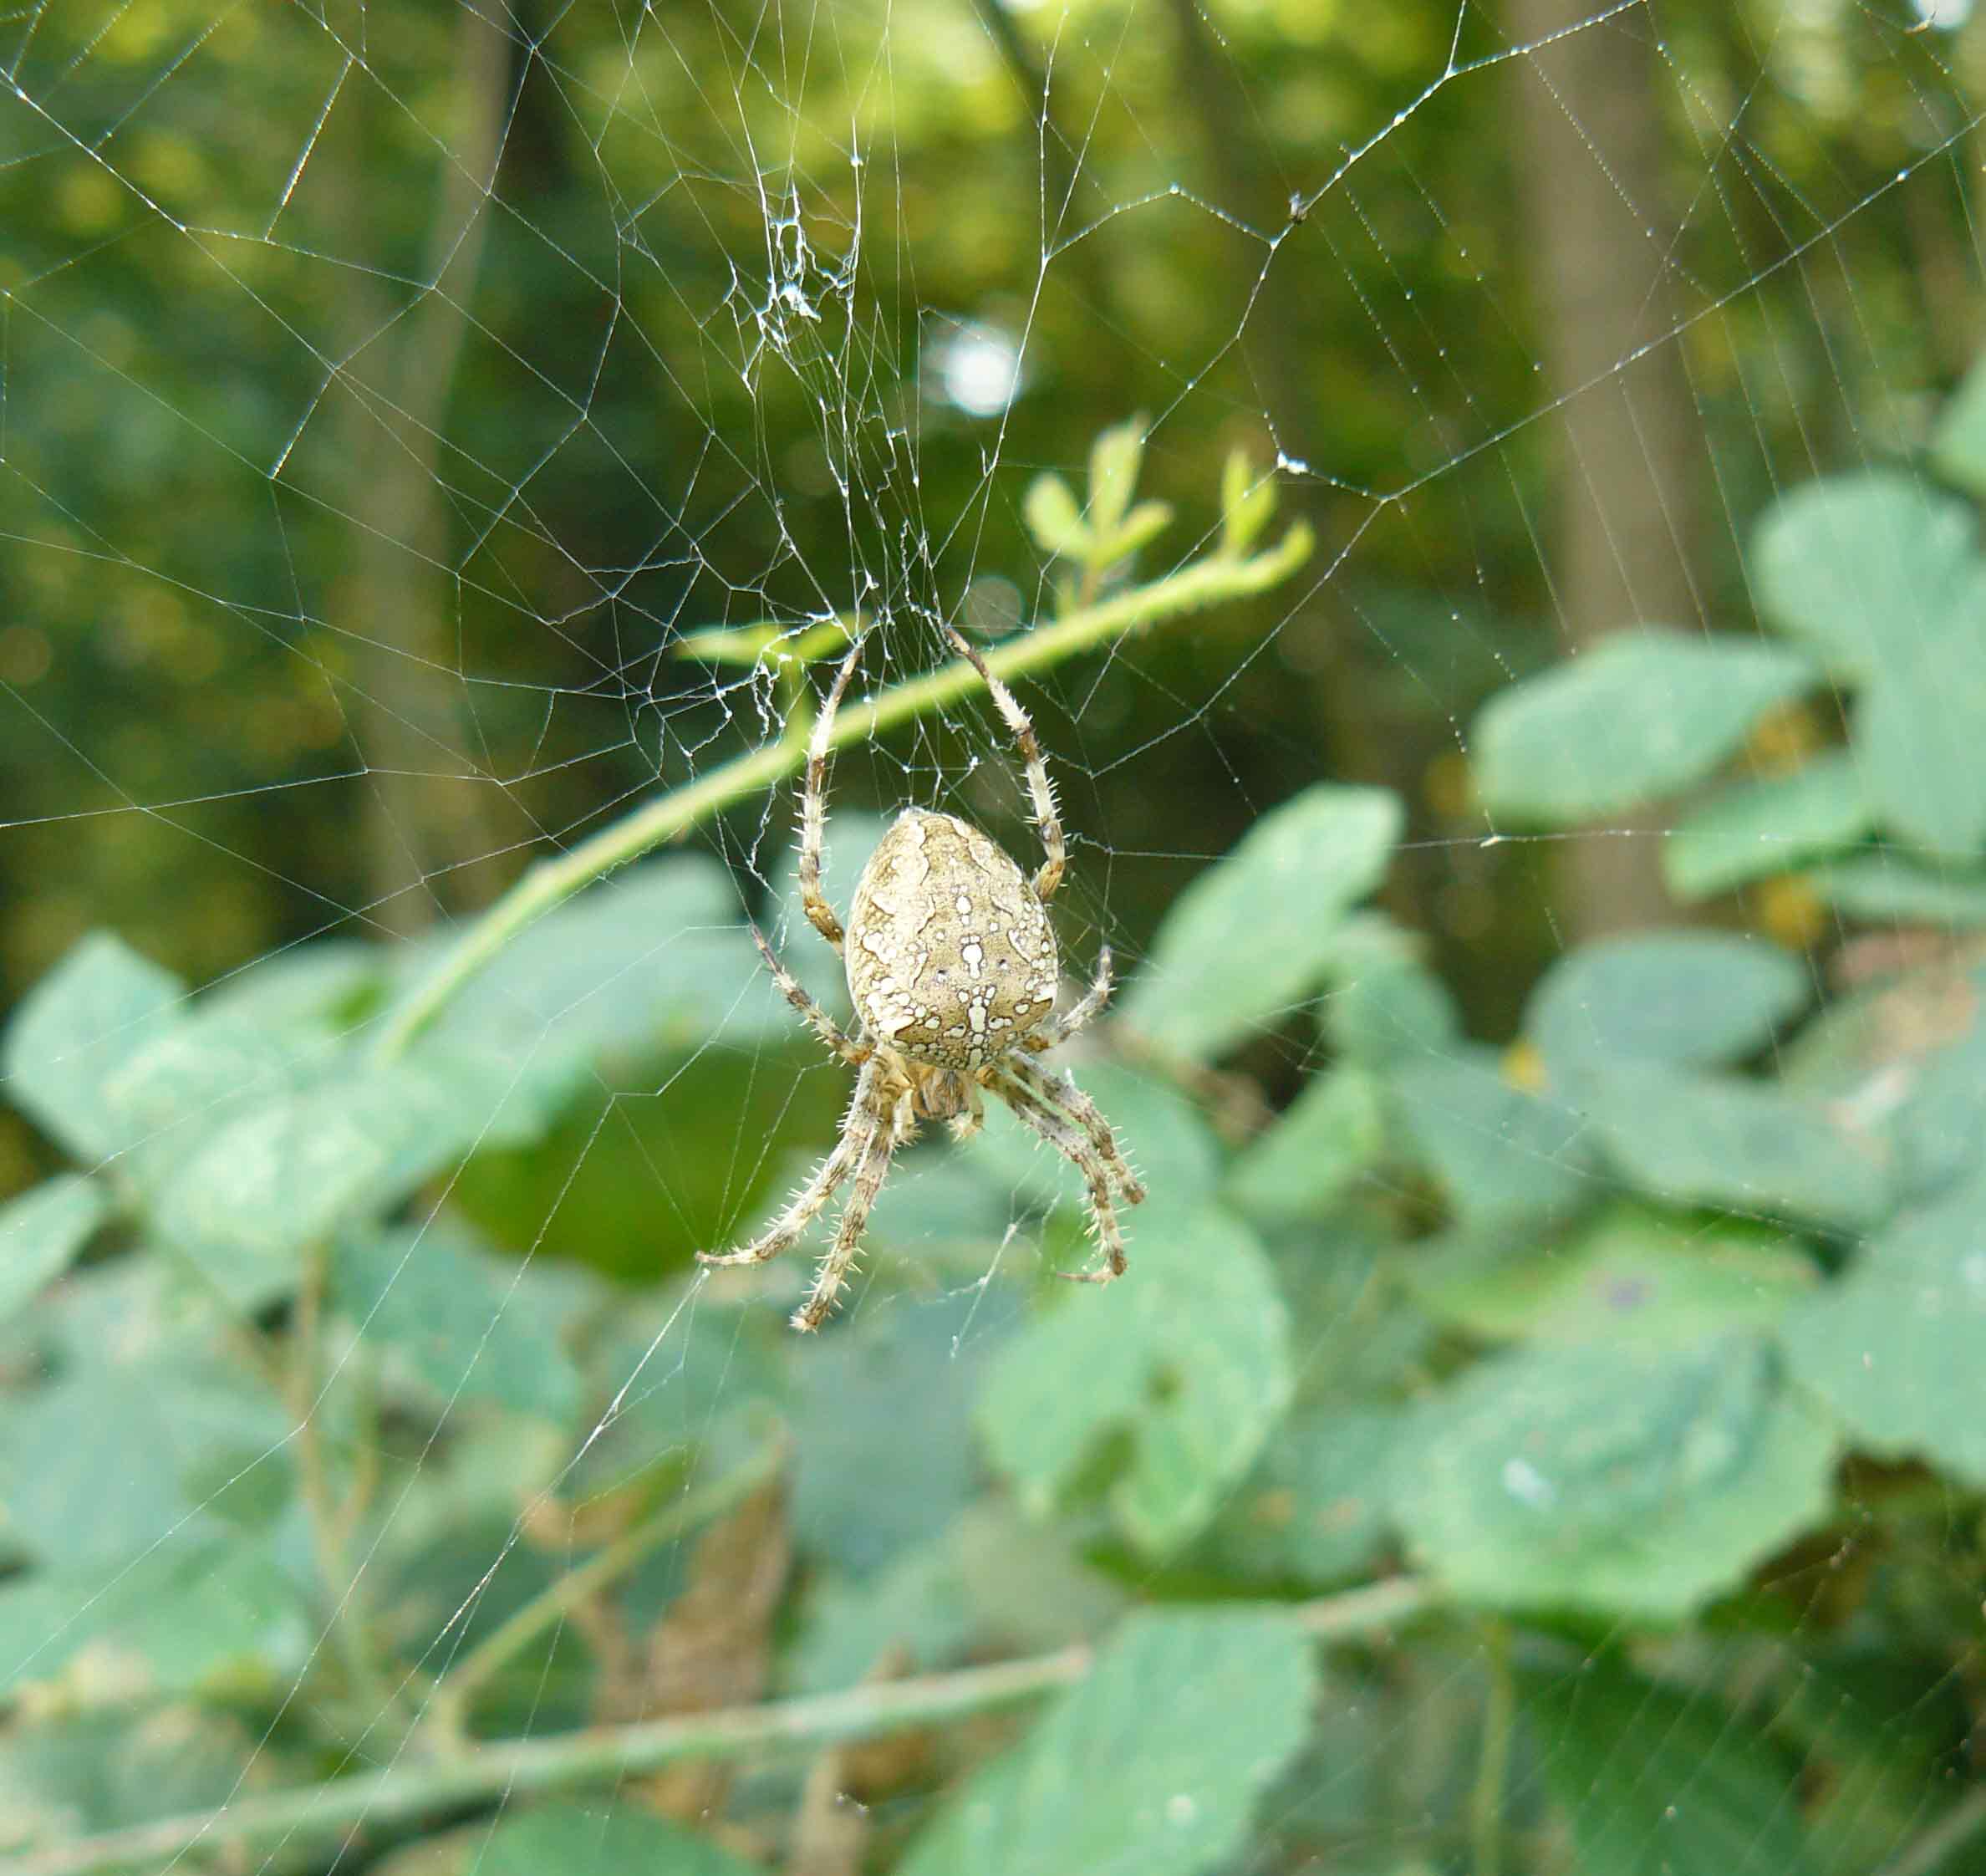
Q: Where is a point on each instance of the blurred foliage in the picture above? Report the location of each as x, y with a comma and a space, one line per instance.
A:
1627, 1299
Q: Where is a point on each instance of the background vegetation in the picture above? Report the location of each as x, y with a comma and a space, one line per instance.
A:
1529, 772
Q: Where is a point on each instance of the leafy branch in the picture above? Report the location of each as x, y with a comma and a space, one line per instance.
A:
608, 1755
1229, 571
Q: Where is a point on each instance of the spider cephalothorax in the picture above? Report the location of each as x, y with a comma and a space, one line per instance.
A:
953, 972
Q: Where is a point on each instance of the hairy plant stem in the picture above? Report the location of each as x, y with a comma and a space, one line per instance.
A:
605, 1756
449, 1702
549, 884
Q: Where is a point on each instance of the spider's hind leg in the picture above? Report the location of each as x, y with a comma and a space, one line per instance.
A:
1071, 1141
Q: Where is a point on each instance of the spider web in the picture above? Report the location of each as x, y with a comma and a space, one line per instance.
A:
430, 436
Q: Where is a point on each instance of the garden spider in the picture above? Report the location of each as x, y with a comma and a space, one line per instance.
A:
953, 970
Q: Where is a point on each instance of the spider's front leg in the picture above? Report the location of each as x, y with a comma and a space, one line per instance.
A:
824, 1026
1059, 1028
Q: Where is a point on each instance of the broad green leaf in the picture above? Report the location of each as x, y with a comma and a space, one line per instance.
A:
66, 1773
1247, 503
912, 1614
1940, 1128
1331, 1135
1893, 1347
1151, 1767
1186, 1354
41, 1232
1719, 1139
1053, 518
1255, 933
1384, 1005
1114, 460
1655, 1781
134, 1445
1889, 889
74, 1030
1500, 1152
202, 1612
1634, 1482
1634, 1276
1689, 998
297, 1165
617, 1839
654, 957
1958, 443
1752, 829
464, 1325
1643, 714
1314, 1510
881, 1431
1917, 730
319, 988
1863, 567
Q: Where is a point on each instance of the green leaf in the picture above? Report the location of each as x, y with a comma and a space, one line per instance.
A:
1500, 1152
1054, 519
1315, 1509
653, 958
95, 1010
1247, 503
1187, 1354
131, 1443
1254, 933
1634, 1276
1385, 1005
1331, 1135
1145, 522
1115, 457
1753, 829
1656, 1780
64, 1774
41, 1232
1959, 443
1151, 1767
299, 1164
211, 1612
1718, 1139
1917, 730
886, 1401
1688, 998
1893, 1347
1635, 1482
1886, 889
620, 1839
465, 1326
1861, 567
1644, 714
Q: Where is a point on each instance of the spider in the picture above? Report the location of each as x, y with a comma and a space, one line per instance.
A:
952, 972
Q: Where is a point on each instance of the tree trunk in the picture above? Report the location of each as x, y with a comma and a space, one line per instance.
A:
429, 813
1618, 554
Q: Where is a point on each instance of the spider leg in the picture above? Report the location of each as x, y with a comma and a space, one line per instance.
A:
1059, 1028
882, 1142
813, 811
1069, 1141
964, 1125
824, 1026
858, 1133
1061, 1093
1041, 791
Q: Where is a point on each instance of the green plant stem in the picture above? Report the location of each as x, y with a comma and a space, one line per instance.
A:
1206, 582
1493, 1763
450, 1700
607, 1755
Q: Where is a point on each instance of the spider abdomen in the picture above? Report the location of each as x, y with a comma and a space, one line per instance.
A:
951, 959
